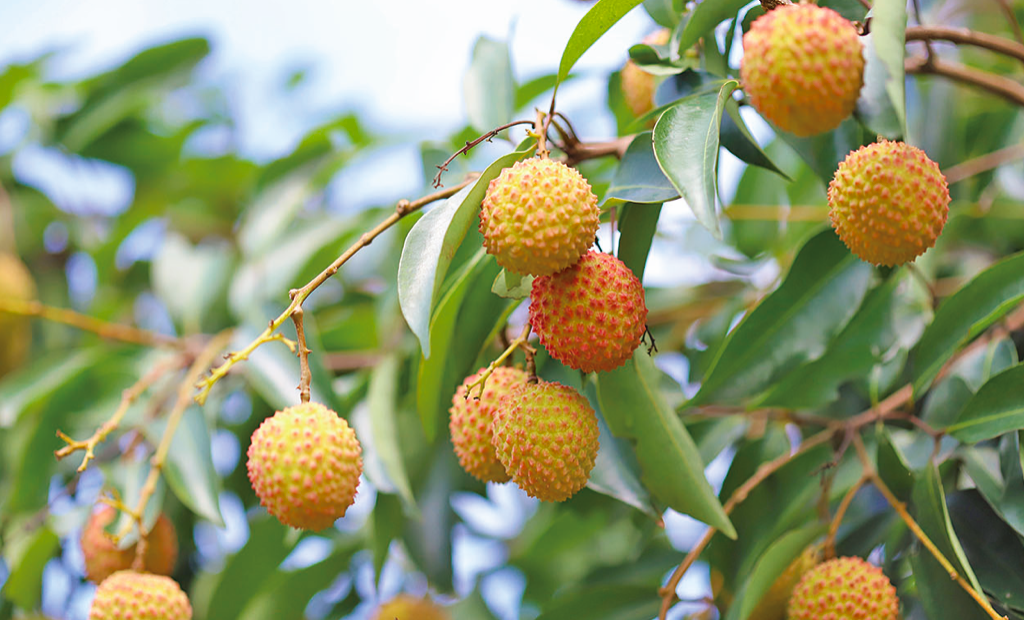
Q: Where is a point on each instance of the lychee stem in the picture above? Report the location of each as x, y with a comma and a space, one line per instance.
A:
520, 341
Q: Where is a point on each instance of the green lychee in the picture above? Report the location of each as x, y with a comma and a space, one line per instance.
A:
407, 607
773, 604
304, 464
127, 595
803, 68
103, 558
590, 316
16, 283
546, 436
844, 589
470, 422
888, 202
538, 217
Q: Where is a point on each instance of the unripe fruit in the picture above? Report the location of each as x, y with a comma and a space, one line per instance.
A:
538, 217
803, 68
15, 331
590, 316
103, 558
546, 436
406, 607
470, 422
127, 595
638, 86
772, 605
844, 589
304, 464
888, 202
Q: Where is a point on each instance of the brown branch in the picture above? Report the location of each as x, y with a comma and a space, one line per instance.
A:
964, 36
305, 376
487, 137
582, 151
111, 331
984, 163
998, 85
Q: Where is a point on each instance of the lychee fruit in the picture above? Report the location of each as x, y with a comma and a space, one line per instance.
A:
16, 284
103, 558
590, 316
546, 436
127, 595
888, 202
538, 217
407, 607
803, 68
638, 86
304, 464
844, 589
772, 605
470, 422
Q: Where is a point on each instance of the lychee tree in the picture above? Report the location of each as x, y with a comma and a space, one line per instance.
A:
592, 366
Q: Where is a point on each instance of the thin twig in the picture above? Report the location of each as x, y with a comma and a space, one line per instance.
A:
996, 84
519, 342
964, 36
984, 163
844, 505
487, 137
111, 331
305, 375
594, 150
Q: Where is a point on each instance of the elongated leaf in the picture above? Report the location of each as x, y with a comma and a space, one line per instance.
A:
25, 584
381, 396
769, 566
669, 461
603, 602
686, 146
638, 177
893, 467
738, 140
705, 16
882, 105
997, 408
431, 244
189, 469
488, 85
794, 324
637, 225
246, 571
976, 306
31, 385
594, 24
993, 549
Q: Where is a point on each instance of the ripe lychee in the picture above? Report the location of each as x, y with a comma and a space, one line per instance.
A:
546, 436
103, 558
470, 422
844, 589
590, 316
888, 202
15, 331
304, 464
803, 68
772, 605
407, 607
538, 217
139, 596
638, 86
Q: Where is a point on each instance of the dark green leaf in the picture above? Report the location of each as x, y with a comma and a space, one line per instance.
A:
592, 27
604, 602
637, 226
639, 178
488, 85
992, 548
893, 467
248, 570
997, 408
25, 584
388, 519
380, 397
704, 18
769, 566
189, 469
738, 140
882, 105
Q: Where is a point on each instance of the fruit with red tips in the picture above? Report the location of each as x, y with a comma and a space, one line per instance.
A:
546, 436
304, 464
803, 68
590, 316
638, 86
844, 589
127, 595
538, 217
407, 607
470, 422
888, 202
103, 558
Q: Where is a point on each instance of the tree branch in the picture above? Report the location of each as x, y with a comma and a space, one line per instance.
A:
1004, 87
964, 36
112, 331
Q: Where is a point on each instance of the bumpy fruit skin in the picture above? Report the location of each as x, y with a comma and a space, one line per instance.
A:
103, 558
304, 464
888, 202
638, 86
546, 436
772, 605
844, 589
538, 217
470, 423
406, 607
15, 331
590, 316
803, 68
127, 595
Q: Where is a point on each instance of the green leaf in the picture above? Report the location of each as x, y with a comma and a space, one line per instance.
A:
672, 469
997, 408
471, 607
511, 285
992, 548
592, 27
662, 12
246, 572
638, 177
25, 584
775, 559
388, 519
794, 324
381, 395
604, 602
882, 104
488, 85
686, 146
738, 140
704, 18
893, 466
962, 317
189, 470
530, 90
637, 226
189, 279
432, 243
41, 379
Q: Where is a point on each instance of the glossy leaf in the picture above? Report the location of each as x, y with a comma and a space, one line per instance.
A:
997, 408
381, 400
602, 16
637, 227
882, 104
488, 85
639, 178
704, 18
738, 140
189, 469
893, 467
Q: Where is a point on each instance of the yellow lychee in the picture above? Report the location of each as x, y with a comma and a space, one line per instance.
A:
590, 316
638, 86
546, 436
407, 607
773, 604
103, 558
888, 202
127, 595
844, 589
304, 464
470, 422
538, 217
803, 68
16, 283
